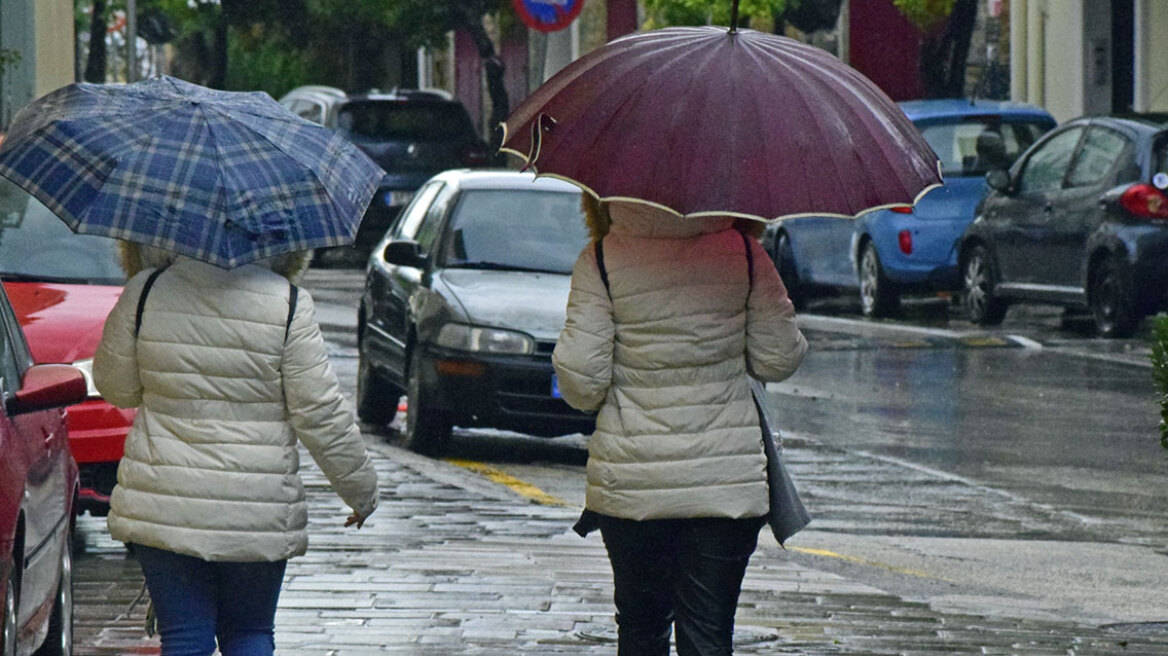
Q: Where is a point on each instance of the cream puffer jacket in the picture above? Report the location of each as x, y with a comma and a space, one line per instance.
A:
665, 360
210, 465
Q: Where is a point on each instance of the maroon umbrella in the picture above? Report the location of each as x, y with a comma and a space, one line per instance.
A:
710, 121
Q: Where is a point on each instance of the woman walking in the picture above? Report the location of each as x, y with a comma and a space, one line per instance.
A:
228, 370
666, 319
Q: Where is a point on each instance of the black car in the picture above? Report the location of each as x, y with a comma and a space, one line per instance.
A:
1081, 221
464, 300
411, 133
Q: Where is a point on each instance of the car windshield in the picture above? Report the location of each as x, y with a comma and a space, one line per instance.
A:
516, 230
370, 120
36, 245
975, 145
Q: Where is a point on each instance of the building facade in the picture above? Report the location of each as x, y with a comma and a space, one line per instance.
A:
36, 51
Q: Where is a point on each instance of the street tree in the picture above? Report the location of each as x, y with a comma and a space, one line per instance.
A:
428, 22
946, 31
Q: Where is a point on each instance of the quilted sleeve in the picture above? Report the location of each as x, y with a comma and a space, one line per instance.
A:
115, 363
774, 345
321, 416
583, 354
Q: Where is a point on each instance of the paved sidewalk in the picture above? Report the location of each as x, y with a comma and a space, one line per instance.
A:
451, 564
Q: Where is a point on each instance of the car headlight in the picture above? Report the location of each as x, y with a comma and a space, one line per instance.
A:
86, 367
484, 340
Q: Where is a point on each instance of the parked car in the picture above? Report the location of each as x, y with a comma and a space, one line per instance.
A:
62, 286
464, 300
1080, 221
38, 489
411, 133
887, 253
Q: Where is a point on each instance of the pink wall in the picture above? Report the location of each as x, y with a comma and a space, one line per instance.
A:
885, 47
622, 18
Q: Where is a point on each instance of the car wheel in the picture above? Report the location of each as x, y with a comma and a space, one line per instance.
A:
979, 279
8, 639
1111, 299
878, 296
784, 258
376, 398
427, 428
60, 639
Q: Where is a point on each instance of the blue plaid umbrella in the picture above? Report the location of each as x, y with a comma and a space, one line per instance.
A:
225, 177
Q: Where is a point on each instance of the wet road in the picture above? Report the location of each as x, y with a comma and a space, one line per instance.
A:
960, 467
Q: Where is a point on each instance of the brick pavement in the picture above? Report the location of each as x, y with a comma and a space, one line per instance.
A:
452, 565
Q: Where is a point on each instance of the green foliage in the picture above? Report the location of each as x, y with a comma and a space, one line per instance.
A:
925, 14
708, 12
427, 22
1159, 359
266, 64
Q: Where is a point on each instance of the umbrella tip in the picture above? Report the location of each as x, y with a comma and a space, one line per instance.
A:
733, 16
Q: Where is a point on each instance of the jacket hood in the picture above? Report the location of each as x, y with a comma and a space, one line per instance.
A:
137, 257
641, 220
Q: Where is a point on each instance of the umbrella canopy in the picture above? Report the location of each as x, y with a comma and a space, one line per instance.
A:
225, 177
706, 121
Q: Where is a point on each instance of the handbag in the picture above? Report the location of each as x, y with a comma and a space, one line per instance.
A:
787, 515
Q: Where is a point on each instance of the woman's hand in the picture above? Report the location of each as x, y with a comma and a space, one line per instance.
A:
355, 519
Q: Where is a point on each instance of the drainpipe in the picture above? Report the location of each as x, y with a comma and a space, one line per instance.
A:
1018, 51
1036, 52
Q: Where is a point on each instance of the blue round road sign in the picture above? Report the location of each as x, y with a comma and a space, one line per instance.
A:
548, 15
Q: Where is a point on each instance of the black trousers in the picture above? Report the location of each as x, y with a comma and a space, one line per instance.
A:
677, 572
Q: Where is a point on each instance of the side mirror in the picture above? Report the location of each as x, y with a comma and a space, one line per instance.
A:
999, 180
48, 386
404, 253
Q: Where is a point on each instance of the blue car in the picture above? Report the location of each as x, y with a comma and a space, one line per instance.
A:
887, 253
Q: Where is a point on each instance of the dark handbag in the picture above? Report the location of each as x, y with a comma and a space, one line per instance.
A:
787, 515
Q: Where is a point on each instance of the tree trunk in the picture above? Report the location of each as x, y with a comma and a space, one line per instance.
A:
945, 51
496, 88
217, 75
95, 63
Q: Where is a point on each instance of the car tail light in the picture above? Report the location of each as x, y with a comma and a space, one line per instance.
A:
904, 240
1145, 201
476, 156
902, 209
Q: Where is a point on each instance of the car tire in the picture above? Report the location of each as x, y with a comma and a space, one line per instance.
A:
878, 295
784, 257
1112, 302
376, 398
59, 641
8, 637
427, 428
979, 279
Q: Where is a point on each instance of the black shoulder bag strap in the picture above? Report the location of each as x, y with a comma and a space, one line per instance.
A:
293, 294
142, 298
598, 247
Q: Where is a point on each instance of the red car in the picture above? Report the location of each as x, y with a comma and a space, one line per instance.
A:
38, 491
62, 285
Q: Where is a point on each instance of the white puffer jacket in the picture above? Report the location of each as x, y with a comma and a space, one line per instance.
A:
210, 465
665, 361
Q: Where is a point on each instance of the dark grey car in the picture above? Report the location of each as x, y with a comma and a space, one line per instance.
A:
412, 134
464, 300
1081, 220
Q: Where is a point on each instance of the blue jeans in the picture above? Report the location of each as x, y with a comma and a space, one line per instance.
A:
197, 601
677, 572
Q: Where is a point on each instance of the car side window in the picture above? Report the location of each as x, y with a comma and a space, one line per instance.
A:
1101, 150
412, 215
432, 223
1046, 167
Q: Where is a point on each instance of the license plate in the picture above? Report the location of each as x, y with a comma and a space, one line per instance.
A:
555, 388
396, 198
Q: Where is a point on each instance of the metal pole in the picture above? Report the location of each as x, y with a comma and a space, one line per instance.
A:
131, 40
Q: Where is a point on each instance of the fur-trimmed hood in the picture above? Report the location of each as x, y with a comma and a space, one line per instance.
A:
135, 257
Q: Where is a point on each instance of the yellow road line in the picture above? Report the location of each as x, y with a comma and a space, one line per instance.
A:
870, 563
519, 486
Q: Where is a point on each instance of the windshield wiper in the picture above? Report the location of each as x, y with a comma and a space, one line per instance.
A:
497, 266
9, 276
